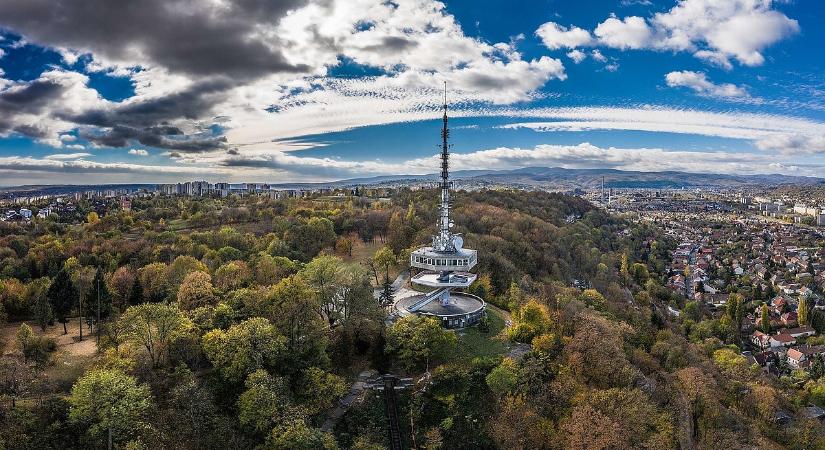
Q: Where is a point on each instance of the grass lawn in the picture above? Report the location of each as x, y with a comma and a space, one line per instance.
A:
473, 343
362, 251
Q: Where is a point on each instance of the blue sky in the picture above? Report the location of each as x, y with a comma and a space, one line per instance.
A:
301, 90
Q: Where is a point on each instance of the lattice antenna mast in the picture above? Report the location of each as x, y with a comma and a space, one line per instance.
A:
444, 237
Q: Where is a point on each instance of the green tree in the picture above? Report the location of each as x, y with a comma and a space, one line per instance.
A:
765, 319
100, 299
136, 293
320, 390
42, 307
110, 403
265, 402
416, 340
295, 314
62, 296
244, 348
384, 258
153, 326
503, 378
295, 434
181, 267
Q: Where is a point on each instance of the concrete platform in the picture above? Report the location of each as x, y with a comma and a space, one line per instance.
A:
464, 309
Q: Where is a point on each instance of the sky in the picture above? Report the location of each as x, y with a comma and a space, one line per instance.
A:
152, 91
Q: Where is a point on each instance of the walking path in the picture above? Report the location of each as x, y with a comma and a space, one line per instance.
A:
356, 393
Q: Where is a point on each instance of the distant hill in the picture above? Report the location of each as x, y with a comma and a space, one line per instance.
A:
559, 178
555, 178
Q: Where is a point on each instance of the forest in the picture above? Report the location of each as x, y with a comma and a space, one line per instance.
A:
242, 322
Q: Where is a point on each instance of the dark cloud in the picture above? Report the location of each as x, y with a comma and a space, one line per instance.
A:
160, 137
146, 121
392, 44
31, 98
196, 38
191, 103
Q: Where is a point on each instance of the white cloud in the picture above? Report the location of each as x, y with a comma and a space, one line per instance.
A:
766, 131
714, 31
577, 55
628, 33
598, 56
699, 83
62, 156
138, 152
793, 143
555, 36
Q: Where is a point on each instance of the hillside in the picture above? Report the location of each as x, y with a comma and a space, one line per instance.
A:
246, 326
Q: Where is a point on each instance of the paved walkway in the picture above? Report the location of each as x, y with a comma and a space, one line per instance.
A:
397, 285
356, 393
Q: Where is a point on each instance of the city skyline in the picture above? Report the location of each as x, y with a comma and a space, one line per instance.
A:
300, 91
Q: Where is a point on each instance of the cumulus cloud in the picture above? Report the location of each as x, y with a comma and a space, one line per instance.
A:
138, 152
555, 36
714, 31
628, 33
699, 83
577, 55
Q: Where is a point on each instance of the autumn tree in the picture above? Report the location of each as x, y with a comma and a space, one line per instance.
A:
154, 281
765, 319
531, 320
153, 326
195, 291
295, 434
120, 285
232, 275
62, 297
802, 311
110, 403
180, 268
343, 246
15, 378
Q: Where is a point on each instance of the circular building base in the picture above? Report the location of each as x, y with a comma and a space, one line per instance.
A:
464, 310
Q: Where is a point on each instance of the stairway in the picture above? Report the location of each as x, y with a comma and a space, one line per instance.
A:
435, 294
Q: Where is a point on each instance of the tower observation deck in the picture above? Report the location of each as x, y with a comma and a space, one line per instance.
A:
445, 264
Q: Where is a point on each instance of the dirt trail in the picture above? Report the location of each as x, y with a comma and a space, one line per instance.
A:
67, 343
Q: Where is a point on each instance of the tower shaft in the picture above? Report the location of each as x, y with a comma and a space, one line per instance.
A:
443, 241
